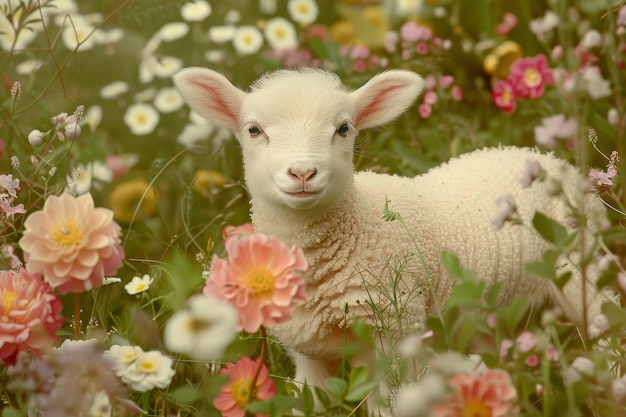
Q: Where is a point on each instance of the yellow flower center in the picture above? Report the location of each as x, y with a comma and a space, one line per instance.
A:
476, 408
280, 33
8, 297
247, 40
140, 287
506, 96
532, 77
142, 119
129, 356
147, 366
240, 391
303, 8
68, 234
197, 325
260, 280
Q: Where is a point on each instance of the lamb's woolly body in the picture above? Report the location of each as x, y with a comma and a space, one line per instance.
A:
297, 131
448, 208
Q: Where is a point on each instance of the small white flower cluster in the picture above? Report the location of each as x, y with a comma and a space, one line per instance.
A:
65, 127
142, 371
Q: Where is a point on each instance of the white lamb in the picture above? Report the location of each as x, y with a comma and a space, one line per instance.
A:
297, 129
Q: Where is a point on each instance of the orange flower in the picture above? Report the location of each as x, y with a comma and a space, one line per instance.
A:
242, 389
74, 244
485, 394
262, 279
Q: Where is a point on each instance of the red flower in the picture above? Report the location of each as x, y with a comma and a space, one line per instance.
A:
528, 76
504, 96
29, 314
262, 279
485, 394
242, 389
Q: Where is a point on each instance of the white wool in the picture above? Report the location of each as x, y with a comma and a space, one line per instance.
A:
297, 131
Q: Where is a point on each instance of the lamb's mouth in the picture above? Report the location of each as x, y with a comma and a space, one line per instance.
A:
303, 194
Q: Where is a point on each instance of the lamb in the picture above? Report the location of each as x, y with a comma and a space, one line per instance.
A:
297, 129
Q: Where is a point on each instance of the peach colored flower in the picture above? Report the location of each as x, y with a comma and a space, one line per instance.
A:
242, 389
29, 314
234, 231
74, 244
262, 279
485, 394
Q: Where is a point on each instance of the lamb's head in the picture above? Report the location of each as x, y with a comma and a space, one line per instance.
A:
297, 127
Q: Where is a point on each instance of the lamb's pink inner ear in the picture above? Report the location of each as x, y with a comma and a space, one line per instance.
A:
373, 106
215, 103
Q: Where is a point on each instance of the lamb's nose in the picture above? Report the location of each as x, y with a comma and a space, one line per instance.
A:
303, 174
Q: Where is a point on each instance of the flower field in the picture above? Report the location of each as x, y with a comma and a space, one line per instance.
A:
133, 283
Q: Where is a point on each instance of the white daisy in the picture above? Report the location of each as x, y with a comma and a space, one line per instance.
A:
407, 7
222, 34
214, 56
167, 66
268, 6
141, 118
79, 34
303, 11
248, 40
113, 90
150, 370
139, 284
92, 117
100, 405
196, 11
111, 36
172, 31
28, 67
122, 356
79, 182
168, 100
7, 34
280, 34
204, 330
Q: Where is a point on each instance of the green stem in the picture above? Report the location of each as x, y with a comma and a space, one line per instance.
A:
77, 316
252, 393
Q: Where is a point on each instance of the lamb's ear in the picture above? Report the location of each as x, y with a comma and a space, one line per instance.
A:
211, 95
385, 97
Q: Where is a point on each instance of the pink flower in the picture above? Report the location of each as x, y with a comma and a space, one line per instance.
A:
29, 314
242, 389
509, 22
532, 360
528, 76
74, 244
425, 110
238, 231
430, 97
603, 179
413, 32
555, 127
489, 393
457, 93
504, 96
262, 279
526, 341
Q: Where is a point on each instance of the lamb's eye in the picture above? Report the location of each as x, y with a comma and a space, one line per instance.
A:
254, 131
343, 130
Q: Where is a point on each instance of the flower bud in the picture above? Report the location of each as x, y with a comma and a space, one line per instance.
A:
35, 138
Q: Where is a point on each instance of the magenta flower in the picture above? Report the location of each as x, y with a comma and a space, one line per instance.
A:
503, 95
528, 76
262, 279
74, 244
509, 22
29, 314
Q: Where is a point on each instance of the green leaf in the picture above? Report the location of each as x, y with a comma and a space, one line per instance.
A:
308, 402
357, 376
10, 412
336, 386
275, 406
545, 268
466, 294
453, 266
551, 230
463, 332
185, 394
513, 314
360, 391
323, 397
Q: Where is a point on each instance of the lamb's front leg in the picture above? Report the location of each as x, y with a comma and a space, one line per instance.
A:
313, 372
